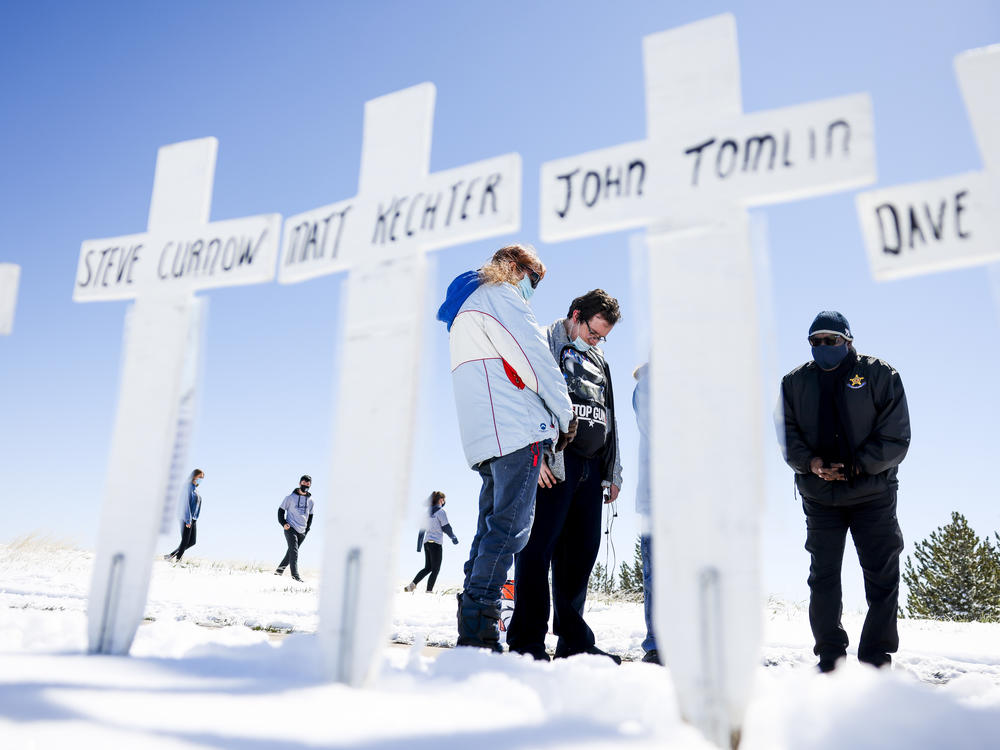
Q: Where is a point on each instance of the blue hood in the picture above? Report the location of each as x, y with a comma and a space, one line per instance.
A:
458, 291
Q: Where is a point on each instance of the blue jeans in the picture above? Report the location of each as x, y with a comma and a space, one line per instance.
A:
646, 547
506, 510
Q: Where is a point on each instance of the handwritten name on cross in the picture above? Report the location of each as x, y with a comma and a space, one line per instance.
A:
400, 211
937, 225
10, 274
753, 159
397, 210
179, 253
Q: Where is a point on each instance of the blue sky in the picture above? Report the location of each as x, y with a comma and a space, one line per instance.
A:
90, 91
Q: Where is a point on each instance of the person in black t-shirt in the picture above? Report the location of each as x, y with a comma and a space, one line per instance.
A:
573, 484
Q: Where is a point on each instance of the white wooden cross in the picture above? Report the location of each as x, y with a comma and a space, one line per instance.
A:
10, 274
953, 222
161, 268
400, 211
688, 182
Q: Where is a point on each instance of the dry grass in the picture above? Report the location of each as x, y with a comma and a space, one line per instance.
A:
35, 549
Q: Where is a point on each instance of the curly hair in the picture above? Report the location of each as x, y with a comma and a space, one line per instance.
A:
435, 496
596, 302
503, 266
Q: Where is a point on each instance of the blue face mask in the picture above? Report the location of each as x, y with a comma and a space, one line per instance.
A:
197, 481
828, 357
579, 344
525, 288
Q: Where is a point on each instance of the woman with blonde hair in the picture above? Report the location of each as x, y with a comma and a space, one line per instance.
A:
511, 399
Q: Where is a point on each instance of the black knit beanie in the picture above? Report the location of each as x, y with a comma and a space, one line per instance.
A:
831, 321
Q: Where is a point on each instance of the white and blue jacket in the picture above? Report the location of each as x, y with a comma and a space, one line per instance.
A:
509, 393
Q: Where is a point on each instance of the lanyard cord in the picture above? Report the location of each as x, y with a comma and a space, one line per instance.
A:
609, 551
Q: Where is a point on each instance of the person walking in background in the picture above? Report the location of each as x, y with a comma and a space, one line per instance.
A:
566, 533
430, 538
845, 428
190, 510
640, 404
295, 514
511, 400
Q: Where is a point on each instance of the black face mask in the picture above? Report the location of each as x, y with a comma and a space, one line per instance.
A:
303, 489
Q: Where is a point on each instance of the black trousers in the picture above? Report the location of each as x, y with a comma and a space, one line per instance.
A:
566, 537
432, 564
188, 537
879, 542
294, 540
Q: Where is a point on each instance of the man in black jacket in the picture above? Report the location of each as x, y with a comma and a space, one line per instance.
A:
573, 485
846, 429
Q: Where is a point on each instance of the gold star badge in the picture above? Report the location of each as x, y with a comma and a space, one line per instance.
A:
857, 381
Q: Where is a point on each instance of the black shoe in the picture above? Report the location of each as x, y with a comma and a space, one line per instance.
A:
279, 571
652, 657
478, 625
565, 652
879, 661
829, 663
536, 651
296, 578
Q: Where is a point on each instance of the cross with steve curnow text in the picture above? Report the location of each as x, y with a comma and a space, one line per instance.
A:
160, 269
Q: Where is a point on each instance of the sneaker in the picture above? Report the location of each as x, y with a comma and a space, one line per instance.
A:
168, 558
279, 572
410, 586
652, 657
563, 653
296, 578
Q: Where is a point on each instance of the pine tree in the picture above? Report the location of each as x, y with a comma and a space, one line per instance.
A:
956, 575
598, 583
630, 575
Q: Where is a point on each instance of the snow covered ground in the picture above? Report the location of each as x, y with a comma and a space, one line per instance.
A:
212, 668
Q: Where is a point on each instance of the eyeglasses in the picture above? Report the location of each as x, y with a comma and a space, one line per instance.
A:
826, 340
533, 276
593, 333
